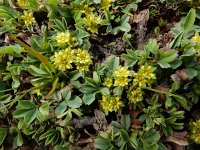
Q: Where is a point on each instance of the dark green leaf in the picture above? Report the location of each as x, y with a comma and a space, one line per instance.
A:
102, 144
3, 133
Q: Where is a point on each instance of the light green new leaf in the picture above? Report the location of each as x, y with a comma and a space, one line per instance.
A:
113, 62
18, 140
88, 98
189, 20
44, 109
74, 102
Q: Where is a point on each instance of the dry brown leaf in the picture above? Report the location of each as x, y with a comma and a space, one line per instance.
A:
178, 138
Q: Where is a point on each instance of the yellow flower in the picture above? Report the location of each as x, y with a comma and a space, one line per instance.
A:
63, 59
147, 71
86, 9
105, 4
28, 18
92, 23
63, 38
82, 59
139, 79
122, 72
121, 81
108, 82
37, 91
194, 133
121, 77
23, 3
144, 76
135, 94
196, 37
110, 103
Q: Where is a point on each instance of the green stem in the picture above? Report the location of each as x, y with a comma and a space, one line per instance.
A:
161, 92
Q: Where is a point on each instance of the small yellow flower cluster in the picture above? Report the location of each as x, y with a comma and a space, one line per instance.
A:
110, 103
86, 9
65, 58
121, 77
194, 134
28, 18
144, 76
196, 37
92, 23
108, 82
105, 4
82, 59
135, 94
65, 38
23, 3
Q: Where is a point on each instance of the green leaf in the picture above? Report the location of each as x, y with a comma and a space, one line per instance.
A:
130, 58
151, 137
3, 133
124, 135
165, 57
10, 50
85, 88
152, 46
89, 98
2, 88
182, 100
92, 82
191, 73
44, 109
74, 75
113, 62
30, 116
18, 140
168, 102
126, 121
60, 25
61, 108
36, 71
177, 41
102, 144
26, 110
105, 91
189, 20
26, 104
5, 98
74, 102
46, 134
34, 53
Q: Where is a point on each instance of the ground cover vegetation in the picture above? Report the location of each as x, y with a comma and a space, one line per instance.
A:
99, 74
